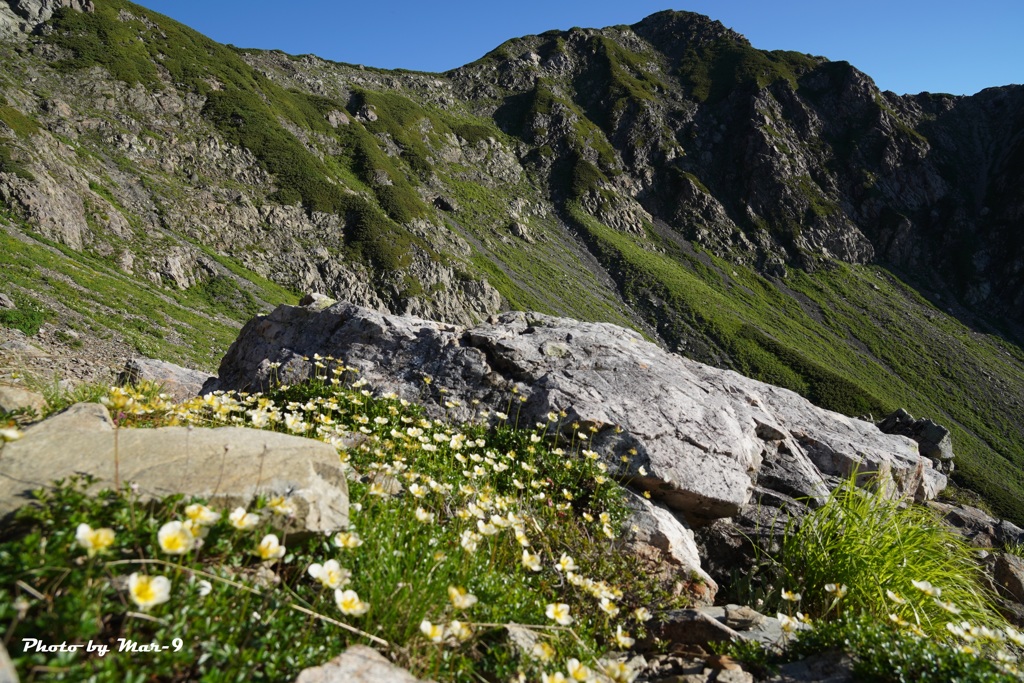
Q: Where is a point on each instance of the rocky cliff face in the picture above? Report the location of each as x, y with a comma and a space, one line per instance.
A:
769, 212
24, 16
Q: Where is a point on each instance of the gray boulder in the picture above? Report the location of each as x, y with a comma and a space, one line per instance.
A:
179, 383
694, 436
357, 664
933, 440
228, 465
978, 527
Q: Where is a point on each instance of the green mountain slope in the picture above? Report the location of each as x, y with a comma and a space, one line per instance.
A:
770, 212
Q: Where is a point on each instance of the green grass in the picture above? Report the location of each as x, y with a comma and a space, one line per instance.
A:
895, 559
27, 315
886, 653
474, 498
888, 584
246, 109
9, 165
711, 72
157, 322
23, 126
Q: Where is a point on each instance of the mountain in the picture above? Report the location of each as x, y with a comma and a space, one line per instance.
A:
768, 212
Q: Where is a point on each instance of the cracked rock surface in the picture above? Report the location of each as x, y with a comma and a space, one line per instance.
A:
700, 434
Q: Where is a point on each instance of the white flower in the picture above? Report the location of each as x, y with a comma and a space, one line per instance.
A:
577, 671
330, 574
175, 538
281, 506
956, 629
242, 520
839, 589
543, 651
895, 597
470, 540
927, 588
347, 539
294, 423
618, 672
461, 631
270, 548
566, 564
622, 638
609, 607
202, 515
460, 597
559, 612
433, 632
147, 591
531, 561
788, 623
791, 596
642, 614
94, 540
349, 603
9, 434
948, 606
424, 516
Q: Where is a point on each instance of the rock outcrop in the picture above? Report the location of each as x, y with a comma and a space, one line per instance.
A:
229, 465
27, 15
693, 436
933, 440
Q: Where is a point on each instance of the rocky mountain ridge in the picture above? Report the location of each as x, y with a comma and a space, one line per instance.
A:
762, 211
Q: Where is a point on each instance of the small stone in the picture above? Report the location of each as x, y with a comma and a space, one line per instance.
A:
317, 302
14, 399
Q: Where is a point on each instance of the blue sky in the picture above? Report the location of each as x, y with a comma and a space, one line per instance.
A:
907, 46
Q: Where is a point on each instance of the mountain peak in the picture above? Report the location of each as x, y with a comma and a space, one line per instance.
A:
673, 31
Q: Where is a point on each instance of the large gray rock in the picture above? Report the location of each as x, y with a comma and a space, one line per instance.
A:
693, 435
177, 382
358, 664
228, 465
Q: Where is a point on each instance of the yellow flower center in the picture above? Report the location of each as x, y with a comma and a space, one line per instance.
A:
144, 592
